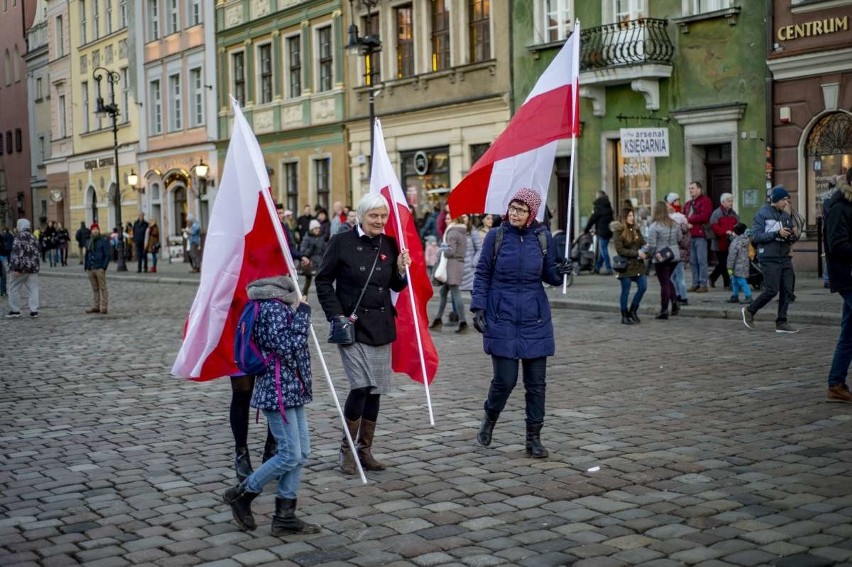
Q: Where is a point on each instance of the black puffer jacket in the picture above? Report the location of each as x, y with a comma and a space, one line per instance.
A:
838, 239
601, 218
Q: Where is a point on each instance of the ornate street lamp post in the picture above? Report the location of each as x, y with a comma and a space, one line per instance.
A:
367, 45
111, 110
201, 175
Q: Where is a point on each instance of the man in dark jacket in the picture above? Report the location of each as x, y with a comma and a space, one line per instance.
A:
140, 228
838, 246
602, 216
97, 260
82, 238
773, 234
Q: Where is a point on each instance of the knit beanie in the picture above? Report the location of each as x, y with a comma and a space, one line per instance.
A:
778, 193
531, 199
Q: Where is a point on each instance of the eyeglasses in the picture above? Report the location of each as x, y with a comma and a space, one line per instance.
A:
513, 210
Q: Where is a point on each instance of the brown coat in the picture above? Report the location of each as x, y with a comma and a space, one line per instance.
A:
456, 239
630, 250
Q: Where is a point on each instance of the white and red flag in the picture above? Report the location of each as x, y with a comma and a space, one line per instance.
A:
523, 154
413, 351
244, 243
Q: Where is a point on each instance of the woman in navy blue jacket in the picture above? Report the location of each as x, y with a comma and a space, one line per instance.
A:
511, 310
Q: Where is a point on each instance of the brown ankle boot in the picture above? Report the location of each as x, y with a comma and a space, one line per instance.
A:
365, 445
347, 459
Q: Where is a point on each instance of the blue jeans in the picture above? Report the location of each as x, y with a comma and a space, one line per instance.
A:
506, 376
679, 281
294, 447
457, 305
641, 286
843, 352
737, 284
698, 261
603, 257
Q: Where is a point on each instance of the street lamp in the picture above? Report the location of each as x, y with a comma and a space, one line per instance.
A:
201, 175
367, 45
132, 180
111, 109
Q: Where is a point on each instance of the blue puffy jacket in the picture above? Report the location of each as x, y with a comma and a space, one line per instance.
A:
509, 289
97, 253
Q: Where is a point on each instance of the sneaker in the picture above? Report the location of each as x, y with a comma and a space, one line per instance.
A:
785, 328
13, 314
839, 393
34, 315
748, 318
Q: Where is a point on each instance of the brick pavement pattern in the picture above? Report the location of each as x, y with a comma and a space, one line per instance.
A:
686, 442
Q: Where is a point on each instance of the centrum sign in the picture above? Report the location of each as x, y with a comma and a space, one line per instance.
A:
644, 142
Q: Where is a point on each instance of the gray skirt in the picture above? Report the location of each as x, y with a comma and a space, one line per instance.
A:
367, 366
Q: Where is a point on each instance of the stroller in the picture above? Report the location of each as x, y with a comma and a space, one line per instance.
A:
583, 253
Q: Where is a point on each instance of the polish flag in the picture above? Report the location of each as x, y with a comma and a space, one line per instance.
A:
523, 154
413, 349
244, 243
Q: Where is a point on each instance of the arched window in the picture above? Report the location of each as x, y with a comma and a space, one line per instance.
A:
828, 153
92, 198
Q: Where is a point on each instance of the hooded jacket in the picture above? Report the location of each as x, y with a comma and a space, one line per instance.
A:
635, 265
838, 239
601, 218
764, 233
24, 257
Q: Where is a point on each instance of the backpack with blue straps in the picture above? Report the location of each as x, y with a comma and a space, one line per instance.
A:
247, 355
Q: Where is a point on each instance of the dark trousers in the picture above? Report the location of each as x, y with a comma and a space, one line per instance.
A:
141, 257
778, 279
667, 290
503, 382
843, 351
721, 268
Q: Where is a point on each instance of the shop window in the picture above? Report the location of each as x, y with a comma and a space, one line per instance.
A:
425, 177
828, 153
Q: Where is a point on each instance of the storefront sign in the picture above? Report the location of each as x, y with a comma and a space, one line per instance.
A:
644, 142
816, 27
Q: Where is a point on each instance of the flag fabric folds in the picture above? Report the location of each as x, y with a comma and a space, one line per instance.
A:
241, 246
404, 351
523, 154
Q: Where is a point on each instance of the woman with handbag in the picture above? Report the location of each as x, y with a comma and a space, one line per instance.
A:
312, 247
152, 246
629, 264
359, 270
454, 250
664, 234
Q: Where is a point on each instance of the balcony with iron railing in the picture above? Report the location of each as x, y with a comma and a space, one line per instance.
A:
636, 52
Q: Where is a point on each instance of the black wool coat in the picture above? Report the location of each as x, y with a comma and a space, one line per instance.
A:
342, 275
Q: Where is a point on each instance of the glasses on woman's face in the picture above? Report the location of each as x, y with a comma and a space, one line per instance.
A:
513, 210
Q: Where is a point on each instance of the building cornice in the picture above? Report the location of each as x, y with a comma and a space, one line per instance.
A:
810, 64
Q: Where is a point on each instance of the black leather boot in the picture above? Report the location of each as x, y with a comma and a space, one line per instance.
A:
285, 522
347, 459
242, 463
240, 501
486, 428
534, 447
663, 315
634, 313
675, 308
625, 317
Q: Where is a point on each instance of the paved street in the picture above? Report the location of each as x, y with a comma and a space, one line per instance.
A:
692, 441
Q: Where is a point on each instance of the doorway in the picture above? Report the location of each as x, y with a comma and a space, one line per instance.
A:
717, 165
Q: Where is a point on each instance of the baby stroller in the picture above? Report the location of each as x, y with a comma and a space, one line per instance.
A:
583, 253
755, 275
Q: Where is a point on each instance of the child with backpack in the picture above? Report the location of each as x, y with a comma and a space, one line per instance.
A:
738, 264
272, 336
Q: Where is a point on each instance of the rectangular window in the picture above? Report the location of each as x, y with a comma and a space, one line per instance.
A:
122, 14
440, 35
1, 145
84, 91
156, 108
326, 59
477, 151
60, 37
153, 20
83, 30
19, 140
108, 16
703, 6
175, 104
479, 29
557, 20
294, 54
125, 93
404, 42
60, 112
372, 64
196, 95
323, 181
173, 16
291, 178
41, 148
264, 53
9, 141
238, 71
96, 18
194, 12
626, 10
39, 94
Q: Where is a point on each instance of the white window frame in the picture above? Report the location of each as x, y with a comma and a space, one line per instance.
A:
61, 114
84, 106
630, 10
288, 67
122, 13
315, 178
695, 7
152, 9
543, 25
319, 64
175, 103
39, 88
59, 34
108, 16
232, 57
156, 97
83, 23
96, 19
286, 167
174, 17
194, 12
259, 73
196, 97
125, 93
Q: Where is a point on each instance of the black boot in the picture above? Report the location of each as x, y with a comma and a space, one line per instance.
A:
675, 308
486, 428
663, 315
242, 463
240, 501
625, 317
285, 522
534, 447
633, 313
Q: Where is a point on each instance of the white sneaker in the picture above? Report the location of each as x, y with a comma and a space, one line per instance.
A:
748, 318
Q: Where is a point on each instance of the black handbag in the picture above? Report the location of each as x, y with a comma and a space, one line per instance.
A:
619, 263
664, 255
342, 328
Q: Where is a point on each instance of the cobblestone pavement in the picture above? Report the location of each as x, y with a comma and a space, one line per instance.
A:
691, 441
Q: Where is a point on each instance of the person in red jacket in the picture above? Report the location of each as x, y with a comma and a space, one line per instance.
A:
722, 223
698, 210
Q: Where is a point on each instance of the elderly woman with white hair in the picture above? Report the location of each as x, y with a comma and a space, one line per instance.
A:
359, 270
722, 222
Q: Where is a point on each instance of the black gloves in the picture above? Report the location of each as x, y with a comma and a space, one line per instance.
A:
563, 267
479, 320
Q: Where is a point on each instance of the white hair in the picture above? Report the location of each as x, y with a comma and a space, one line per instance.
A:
369, 202
725, 197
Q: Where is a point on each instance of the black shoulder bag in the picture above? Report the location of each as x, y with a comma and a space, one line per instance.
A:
342, 329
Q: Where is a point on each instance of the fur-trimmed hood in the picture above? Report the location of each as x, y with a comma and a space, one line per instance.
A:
845, 189
616, 226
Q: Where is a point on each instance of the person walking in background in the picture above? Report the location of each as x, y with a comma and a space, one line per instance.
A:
7, 239
722, 223
430, 253
140, 233
303, 222
193, 237
738, 264
455, 249
312, 249
602, 216
512, 312
152, 245
698, 210
486, 226
473, 247
838, 246
23, 271
82, 238
662, 247
773, 233
685, 245
628, 242
96, 263
48, 242
62, 238
345, 277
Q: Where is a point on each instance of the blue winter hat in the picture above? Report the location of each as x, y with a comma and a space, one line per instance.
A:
778, 193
